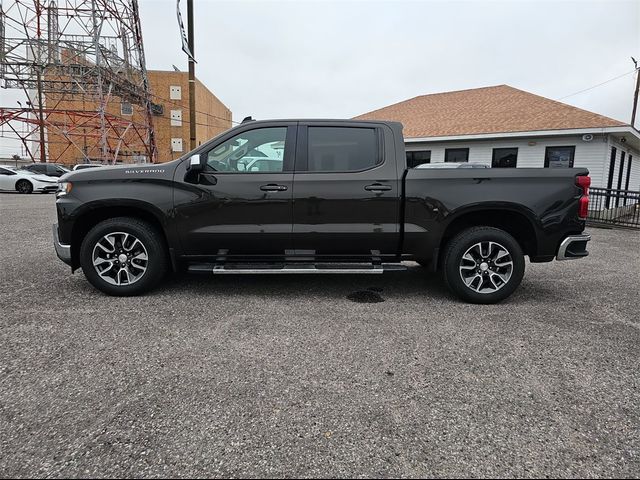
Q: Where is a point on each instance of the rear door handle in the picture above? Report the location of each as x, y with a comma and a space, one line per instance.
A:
272, 187
377, 187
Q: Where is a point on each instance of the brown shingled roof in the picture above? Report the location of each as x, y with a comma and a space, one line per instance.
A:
496, 109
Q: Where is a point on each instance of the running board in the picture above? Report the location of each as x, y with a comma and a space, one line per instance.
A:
258, 269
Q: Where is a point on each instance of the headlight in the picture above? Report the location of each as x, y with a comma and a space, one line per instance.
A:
64, 188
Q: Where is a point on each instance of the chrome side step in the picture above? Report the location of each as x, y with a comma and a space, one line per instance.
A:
259, 269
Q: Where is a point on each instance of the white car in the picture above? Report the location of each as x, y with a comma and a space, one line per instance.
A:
24, 181
83, 166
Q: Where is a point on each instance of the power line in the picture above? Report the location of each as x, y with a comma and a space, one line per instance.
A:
598, 85
177, 104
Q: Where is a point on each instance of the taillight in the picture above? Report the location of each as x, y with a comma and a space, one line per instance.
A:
583, 182
583, 207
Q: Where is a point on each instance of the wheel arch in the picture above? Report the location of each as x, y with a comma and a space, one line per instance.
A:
15, 186
94, 213
511, 218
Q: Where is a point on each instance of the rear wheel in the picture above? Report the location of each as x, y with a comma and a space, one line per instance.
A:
24, 186
123, 256
483, 265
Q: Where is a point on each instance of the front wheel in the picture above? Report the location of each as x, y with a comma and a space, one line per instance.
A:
123, 256
483, 265
24, 186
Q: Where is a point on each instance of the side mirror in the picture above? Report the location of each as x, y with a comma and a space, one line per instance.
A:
195, 164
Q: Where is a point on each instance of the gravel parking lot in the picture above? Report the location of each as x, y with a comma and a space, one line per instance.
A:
285, 376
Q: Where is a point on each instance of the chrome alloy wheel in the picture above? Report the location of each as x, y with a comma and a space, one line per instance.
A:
120, 258
486, 267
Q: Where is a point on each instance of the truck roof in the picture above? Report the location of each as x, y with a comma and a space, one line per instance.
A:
320, 120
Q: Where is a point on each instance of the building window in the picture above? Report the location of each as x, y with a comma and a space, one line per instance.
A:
612, 167
175, 92
176, 145
559, 157
620, 174
176, 118
418, 157
456, 155
504, 158
126, 108
621, 170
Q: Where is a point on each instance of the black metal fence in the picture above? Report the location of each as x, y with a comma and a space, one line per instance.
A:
609, 206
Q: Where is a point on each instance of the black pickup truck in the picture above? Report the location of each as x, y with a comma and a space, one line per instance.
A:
317, 196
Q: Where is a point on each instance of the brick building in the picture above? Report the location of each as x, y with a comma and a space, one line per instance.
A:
169, 93
171, 90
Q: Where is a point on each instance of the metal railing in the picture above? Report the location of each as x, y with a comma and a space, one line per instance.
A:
614, 207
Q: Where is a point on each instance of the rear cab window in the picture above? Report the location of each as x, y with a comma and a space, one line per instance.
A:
340, 149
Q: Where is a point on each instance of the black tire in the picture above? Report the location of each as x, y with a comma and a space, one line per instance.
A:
24, 186
157, 263
491, 273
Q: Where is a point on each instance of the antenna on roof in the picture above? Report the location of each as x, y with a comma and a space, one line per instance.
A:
248, 119
175, 68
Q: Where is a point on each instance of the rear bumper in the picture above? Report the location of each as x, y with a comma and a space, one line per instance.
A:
573, 247
63, 251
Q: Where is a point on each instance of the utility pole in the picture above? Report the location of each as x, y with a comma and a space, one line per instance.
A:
39, 70
192, 77
43, 151
635, 95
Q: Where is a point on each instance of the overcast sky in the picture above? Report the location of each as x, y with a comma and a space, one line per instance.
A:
276, 59
340, 59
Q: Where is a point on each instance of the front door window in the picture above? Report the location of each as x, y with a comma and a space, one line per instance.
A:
255, 151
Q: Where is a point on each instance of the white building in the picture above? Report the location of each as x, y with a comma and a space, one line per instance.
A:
504, 127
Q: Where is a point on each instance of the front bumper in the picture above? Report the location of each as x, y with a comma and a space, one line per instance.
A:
45, 187
573, 247
63, 251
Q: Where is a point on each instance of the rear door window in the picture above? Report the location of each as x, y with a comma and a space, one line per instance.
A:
342, 149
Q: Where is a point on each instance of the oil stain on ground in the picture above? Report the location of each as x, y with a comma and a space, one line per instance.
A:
371, 295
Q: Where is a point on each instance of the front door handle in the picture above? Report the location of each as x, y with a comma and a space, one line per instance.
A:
377, 187
272, 187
